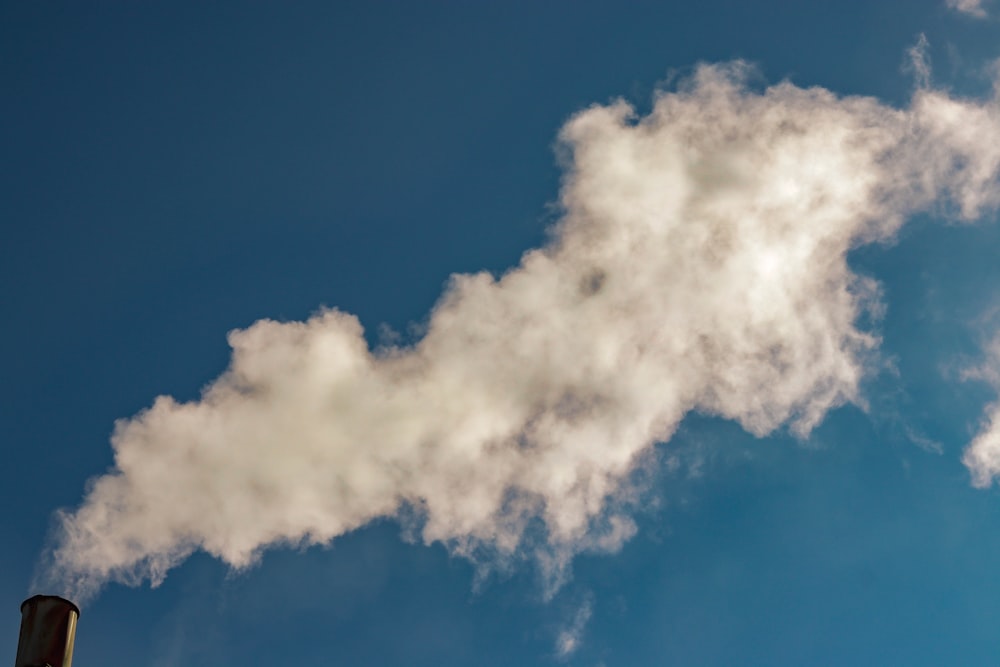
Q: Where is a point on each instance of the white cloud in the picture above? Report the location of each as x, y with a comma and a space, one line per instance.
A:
970, 7
700, 264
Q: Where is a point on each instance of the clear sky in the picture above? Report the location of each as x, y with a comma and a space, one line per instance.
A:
172, 172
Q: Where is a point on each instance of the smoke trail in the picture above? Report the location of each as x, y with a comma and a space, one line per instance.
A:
699, 264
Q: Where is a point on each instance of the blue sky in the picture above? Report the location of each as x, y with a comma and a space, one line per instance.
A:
174, 172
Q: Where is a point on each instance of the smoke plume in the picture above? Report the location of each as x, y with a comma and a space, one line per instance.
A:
699, 264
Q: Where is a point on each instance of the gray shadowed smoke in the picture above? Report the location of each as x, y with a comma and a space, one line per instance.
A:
699, 264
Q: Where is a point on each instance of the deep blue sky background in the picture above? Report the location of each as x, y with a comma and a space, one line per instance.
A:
171, 171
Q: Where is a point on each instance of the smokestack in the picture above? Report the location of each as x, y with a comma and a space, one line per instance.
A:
48, 628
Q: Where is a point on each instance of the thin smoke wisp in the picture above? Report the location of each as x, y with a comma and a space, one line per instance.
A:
982, 456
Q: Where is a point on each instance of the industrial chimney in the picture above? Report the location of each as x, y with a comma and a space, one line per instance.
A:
48, 628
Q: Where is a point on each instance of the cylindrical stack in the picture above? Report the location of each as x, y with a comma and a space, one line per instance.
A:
48, 628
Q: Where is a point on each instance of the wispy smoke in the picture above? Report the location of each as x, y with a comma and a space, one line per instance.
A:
699, 264
982, 456
570, 637
972, 8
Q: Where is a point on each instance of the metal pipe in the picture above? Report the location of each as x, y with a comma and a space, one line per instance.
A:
48, 630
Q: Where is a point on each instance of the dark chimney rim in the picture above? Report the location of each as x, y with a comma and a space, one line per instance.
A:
33, 598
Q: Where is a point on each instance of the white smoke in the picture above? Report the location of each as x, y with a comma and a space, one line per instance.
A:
570, 637
699, 265
982, 456
972, 8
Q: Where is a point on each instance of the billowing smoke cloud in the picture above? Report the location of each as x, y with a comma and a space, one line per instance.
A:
699, 265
